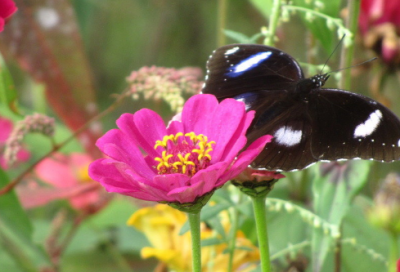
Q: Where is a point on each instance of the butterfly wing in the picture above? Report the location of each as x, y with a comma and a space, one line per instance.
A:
240, 68
288, 120
349, 126
308, 123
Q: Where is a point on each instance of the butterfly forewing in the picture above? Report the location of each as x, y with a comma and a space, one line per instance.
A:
239, 68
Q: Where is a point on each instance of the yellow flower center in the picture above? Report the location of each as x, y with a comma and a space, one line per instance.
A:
83, 174
185, 154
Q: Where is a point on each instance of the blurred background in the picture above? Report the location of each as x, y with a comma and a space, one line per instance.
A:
68, 59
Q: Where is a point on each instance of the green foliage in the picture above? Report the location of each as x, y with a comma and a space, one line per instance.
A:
333, 194
308, 213
16, 233
8, 93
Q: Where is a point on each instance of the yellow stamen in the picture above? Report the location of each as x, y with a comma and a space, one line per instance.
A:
163, 161
180, 157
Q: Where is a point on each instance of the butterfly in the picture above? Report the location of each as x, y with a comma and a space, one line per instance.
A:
309, 123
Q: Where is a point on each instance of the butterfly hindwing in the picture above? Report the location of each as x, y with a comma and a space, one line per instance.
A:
348, 126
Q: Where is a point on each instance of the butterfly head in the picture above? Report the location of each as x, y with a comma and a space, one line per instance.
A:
315, 82
319, 80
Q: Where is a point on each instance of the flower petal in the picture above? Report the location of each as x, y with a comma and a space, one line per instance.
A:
246, 157
144, 128
198, 113
55, 171
117, 146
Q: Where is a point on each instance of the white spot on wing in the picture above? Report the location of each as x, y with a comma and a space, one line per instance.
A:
231, 51
368, 127
287, 136
248, 63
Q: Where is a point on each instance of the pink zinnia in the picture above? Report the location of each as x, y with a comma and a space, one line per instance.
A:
7, 9
187, 160
67, 175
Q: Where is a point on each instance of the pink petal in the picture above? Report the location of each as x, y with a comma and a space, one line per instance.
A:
144, 128
198, 112
227, 125
117, 146
238, 140
79, 160
32, 198
174, 127
56, 172
7, 8
211, 175
5, 128
187, 194
246, 157
172, 181
119, 178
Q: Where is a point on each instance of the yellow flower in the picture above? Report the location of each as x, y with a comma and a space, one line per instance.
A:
161, 225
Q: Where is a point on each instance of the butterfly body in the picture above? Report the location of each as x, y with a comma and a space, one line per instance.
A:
309, 123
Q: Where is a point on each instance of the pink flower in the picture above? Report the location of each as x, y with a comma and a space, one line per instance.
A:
376, 12
69, 179
7, 9
186, 160
379, 23
398, 265
255, 175
6, 127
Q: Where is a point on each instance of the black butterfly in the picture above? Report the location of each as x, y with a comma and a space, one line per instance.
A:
309, 123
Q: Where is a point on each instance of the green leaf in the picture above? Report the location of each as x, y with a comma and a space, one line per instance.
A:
211, 242
319, 26
16, 232
333, 194
367, 247
8, 94
263, 6
237, 36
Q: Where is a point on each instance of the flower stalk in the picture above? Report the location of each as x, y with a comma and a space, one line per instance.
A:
260, 214
194, 222
348, 53
273, 23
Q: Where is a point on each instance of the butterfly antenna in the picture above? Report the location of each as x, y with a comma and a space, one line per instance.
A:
355, 65
334, 50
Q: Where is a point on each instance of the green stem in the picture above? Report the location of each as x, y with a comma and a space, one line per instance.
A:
260, 214
394, 252
194, 221
347, 53
232, 245
273, 23
222, 10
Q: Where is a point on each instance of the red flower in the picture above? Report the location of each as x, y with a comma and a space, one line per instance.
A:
398, 265
379, 22
376, 12
7, 9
